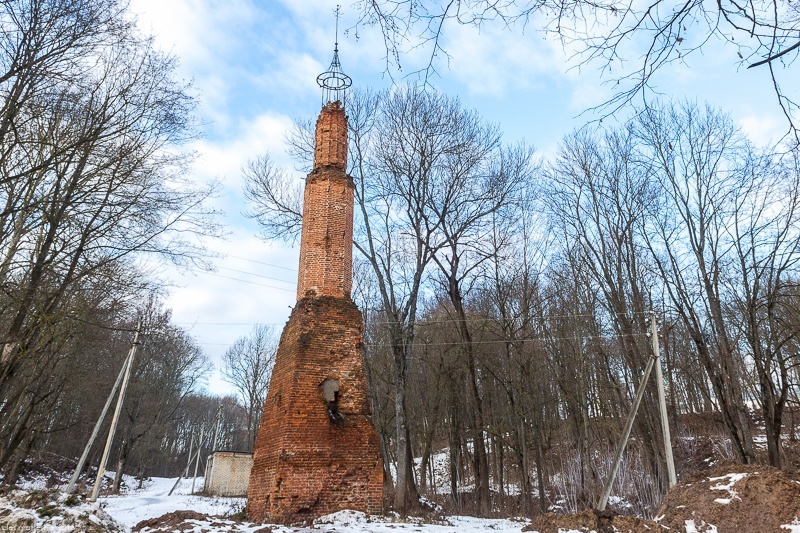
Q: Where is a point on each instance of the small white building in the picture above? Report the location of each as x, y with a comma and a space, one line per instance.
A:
228, 473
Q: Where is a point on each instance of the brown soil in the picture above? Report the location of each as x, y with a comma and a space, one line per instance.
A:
179, 521
761, 502
590, 520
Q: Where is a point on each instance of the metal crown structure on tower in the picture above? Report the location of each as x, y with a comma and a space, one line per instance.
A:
334, 81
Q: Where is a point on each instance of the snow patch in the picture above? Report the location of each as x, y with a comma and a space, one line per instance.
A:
152, 501
343, 518
692, 528
732, 495
44, 512
794, 527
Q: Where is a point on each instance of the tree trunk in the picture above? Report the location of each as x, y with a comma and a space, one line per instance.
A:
540, 473
406, 497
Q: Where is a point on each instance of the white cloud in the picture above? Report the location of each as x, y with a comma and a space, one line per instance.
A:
219, 307
196, 30
295, 73
763, 129
494, 60
224, 158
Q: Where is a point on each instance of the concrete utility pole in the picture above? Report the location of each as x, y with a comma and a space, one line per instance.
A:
218, 422
102, 469
625, 434
189, 461
655, 360
197, 461
188, 464
99, 423
662, 403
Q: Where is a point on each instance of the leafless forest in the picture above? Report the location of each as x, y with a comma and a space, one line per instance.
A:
507, 295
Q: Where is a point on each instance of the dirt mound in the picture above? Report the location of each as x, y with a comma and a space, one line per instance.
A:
173, 520
185, 521
590, 520
734, 498
730, 498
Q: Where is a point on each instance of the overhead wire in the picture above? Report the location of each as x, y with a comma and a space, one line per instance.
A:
225, 324
523, 339
495, 341
421, 322
257, 275
209, 273
262, 263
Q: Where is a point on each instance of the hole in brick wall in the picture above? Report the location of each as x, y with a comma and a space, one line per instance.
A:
330, 389
330, 392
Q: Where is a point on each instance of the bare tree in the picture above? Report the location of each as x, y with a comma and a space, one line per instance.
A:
512, 288
628, 40
766, 241
596, 199
247, 365
692, 154
482, 187
91, 175
276, 200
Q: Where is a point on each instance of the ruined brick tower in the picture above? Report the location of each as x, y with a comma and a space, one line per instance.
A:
316, 451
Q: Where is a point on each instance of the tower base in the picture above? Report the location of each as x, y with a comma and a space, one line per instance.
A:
317, 451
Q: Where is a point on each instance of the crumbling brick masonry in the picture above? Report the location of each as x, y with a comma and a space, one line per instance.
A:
317, 451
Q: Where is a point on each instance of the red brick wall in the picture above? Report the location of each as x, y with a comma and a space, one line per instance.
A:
304, 466
330, 139
326, 242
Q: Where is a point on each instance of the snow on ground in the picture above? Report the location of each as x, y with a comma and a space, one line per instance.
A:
356, 522
30, 505
50, 510
706, 528
153, 500
35, 510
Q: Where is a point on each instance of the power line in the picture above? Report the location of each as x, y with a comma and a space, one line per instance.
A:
420, 344
224, 324
418, 323
483, 318
242, 280
262, 263
505, 341
215, 343
257, 275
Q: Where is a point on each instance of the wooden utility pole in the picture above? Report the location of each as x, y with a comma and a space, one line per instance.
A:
102, 469
662, 404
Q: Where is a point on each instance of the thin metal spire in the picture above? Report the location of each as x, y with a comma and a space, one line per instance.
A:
334, 81
338, 13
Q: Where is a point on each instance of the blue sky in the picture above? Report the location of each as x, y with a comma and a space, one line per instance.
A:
254, 65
